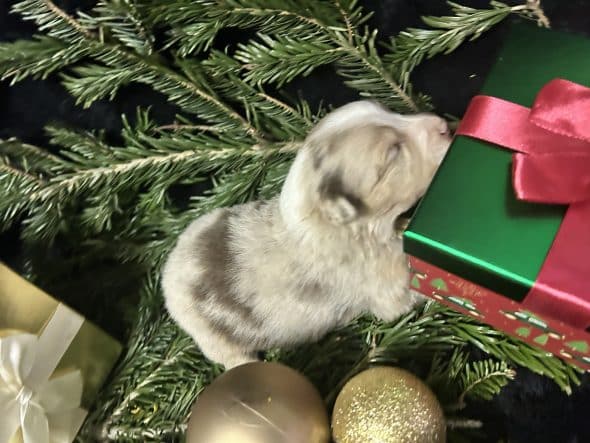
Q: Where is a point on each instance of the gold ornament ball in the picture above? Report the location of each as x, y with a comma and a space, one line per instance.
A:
259, 403
387, 405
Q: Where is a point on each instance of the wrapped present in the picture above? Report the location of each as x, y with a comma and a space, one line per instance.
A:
503, 233
52, 364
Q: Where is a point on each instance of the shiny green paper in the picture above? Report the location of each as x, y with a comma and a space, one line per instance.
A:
470, 222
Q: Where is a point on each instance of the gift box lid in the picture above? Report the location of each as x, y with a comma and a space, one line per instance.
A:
25, 308
470, 222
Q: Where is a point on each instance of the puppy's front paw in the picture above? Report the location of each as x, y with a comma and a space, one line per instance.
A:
391, 308
386, 312
417, 297
238, 360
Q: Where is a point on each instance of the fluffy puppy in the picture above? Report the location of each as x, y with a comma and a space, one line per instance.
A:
287, 270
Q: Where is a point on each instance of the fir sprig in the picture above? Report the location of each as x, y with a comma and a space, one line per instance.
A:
37, 58
14, 182
483, 379
445, 34
190, 96
496, 343
95, 168
122, 20
194, 25
363, 70
165, 353
52, 20
93, 82
280, 59
197, 98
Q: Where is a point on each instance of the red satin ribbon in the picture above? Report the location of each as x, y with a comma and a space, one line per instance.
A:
551, 165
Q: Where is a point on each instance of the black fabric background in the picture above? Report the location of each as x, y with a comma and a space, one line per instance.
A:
531, 409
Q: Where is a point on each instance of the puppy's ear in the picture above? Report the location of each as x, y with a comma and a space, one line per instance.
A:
338, 205
339, 210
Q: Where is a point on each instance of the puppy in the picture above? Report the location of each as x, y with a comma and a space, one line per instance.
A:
287, 270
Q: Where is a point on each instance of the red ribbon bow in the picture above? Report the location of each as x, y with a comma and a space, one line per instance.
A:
551, 165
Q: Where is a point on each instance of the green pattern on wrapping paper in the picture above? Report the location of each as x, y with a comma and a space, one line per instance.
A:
578, 346
463, 303
523, 331
439, 283
533, 320
542, 339
415, 283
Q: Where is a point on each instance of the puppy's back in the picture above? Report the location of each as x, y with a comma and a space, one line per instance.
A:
200, 283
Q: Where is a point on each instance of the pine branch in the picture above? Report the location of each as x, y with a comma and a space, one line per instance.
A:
279, 59
413, 45
243, 13
267, 113
24, 169
98, 174
52, 19
151, 231
511, 350
116, 178
305, 12
444, 368
352, 15
283, 54
122, 67
37, 58
199, 33
434, 329
195, 37
419, 331
195, 24
197, 100
127, 66
122, 20
31, 159
14, 183
165, 353
19, 179
481, 379
363, 70
484, 379
156, 160
535, 10
93, 82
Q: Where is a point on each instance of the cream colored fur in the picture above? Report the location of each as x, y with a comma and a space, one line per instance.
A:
288, 270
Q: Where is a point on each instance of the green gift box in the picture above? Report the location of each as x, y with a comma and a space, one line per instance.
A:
52, 363
472, 244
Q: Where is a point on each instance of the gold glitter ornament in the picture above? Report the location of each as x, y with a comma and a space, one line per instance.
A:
259, 403
387, 405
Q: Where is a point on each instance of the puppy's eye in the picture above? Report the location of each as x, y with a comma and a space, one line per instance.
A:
393, 151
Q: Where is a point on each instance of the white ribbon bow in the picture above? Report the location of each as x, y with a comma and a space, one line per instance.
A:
46, 410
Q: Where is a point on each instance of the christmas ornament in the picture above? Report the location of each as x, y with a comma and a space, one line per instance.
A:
387, 405
259, 403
